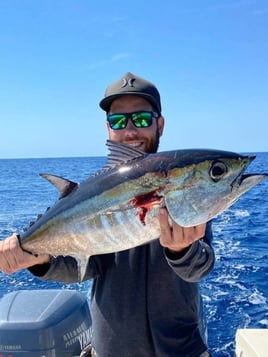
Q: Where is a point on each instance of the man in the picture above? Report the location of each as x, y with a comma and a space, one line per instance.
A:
145, 301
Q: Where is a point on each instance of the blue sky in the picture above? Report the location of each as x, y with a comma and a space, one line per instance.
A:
209, 59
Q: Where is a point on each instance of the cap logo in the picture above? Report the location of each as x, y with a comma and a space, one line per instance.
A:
127, 82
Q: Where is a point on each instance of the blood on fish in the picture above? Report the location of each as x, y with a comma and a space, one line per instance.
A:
145, 203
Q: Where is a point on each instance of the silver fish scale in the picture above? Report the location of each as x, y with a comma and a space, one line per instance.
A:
118, 231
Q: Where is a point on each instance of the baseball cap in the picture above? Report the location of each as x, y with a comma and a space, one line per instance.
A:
132, 85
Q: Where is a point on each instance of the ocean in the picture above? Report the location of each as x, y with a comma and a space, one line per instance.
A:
235, 293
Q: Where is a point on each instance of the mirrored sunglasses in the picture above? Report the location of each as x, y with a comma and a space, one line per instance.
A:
142, 119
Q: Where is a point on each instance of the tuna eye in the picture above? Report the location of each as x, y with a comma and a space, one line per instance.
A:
218, 170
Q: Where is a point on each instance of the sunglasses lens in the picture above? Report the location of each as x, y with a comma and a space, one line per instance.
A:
139, 119
142, 119
117, 121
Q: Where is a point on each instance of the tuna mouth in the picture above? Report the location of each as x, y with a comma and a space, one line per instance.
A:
247, 181
238, 181
243, 177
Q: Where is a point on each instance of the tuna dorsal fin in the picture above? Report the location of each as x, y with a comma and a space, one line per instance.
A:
64, 186
121, 153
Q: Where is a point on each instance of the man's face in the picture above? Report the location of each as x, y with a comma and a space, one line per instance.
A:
145, 139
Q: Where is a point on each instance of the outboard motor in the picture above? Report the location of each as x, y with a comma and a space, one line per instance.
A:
44, 323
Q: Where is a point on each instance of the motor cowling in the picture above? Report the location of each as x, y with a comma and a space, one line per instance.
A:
44, 323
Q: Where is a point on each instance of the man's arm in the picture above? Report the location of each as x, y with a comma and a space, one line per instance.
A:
62, 269
188, 250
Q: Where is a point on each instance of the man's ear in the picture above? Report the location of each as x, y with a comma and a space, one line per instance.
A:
161, 124
108, 128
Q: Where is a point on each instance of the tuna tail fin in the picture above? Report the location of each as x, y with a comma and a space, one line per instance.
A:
64, 186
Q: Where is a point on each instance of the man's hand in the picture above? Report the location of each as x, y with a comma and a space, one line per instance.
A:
177, 238
14, 258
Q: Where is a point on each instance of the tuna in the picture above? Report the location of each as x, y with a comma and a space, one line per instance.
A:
117, 208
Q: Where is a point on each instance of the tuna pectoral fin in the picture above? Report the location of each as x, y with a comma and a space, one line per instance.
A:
82, 267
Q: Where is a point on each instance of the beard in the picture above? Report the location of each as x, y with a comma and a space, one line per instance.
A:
154, 143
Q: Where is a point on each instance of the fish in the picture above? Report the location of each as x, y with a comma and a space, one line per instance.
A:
117, 207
